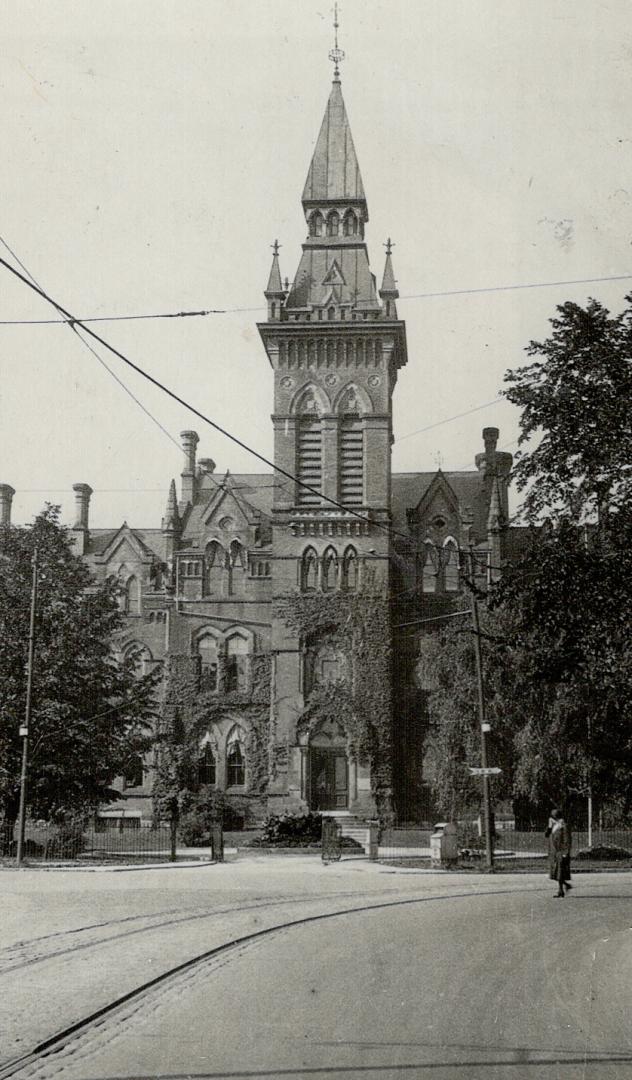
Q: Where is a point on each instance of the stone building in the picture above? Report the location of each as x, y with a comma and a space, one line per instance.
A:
272, 601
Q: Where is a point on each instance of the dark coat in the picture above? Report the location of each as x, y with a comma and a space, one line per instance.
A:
560, 840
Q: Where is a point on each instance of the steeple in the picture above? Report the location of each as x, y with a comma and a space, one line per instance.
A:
171, 520
274, 293
334, 172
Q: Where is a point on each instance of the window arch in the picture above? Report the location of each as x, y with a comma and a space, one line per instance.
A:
207, 765
350, 223
134, 772
140, 656
350, 570
429, 571
215, 563
208, 651
235, 759
330, 570
316, 223
309, 570
333, 223
450, 555
131, 596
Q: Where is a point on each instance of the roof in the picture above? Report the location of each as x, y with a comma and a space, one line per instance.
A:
407, 490
334, 172
343, 272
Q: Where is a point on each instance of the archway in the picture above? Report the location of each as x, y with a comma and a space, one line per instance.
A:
328, 768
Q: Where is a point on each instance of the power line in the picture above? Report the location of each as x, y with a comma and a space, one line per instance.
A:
112, 318
448, 419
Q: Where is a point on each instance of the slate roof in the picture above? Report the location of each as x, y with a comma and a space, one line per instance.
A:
334, 172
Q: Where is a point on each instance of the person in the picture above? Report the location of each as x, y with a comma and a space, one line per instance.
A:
559, 837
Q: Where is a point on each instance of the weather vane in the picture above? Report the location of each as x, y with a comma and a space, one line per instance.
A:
389, 245
336, 55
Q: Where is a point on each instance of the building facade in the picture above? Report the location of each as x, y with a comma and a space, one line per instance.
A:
273, 602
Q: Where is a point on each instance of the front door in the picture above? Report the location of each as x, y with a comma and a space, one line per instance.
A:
329, 779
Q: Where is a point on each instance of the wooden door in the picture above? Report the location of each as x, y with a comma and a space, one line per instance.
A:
329, 779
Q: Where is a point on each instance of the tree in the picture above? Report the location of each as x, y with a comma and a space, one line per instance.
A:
575, 397
91, 712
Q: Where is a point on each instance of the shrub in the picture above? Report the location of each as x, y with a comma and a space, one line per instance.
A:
67, 841
605, 853
291, 830
194, 827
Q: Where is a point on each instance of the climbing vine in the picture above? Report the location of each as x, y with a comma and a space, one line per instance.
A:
357, 625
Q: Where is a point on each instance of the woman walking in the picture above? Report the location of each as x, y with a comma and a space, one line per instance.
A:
559, 836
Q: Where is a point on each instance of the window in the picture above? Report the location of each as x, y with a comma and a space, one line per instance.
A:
309, 571
236, 659
450, 566
235, 566
134, 772
316, 222
215, 558
206, 766
351, 462
207, 651
309, 464
429, 572
333, 224
235, 762
131, 596
350, 570
350, 223
330, 570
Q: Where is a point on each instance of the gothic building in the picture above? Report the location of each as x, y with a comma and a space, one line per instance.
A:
206, 593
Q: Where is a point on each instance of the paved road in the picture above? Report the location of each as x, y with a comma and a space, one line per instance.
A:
467, 979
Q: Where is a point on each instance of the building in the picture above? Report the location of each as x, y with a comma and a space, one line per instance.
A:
273, 601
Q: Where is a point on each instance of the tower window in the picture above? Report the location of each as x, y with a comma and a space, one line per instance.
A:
309, 463
351, 461
450, 566
316, 222
350, 223
333, 224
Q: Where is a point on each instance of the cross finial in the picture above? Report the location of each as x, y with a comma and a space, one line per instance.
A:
336, 55
275, 247
389, 245
438, 457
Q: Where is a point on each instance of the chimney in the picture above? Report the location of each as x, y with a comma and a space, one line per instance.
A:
6, 498
190, 440
207, 465
490, 439
82, 507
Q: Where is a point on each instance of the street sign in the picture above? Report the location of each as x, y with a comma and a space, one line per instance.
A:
485, 772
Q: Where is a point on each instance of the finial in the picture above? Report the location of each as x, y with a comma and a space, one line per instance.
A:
389, 245
275, 247
438, 457
336, 55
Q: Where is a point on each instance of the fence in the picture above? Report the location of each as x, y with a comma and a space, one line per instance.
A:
514, 849
97, 842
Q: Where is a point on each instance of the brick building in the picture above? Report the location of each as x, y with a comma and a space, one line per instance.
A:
272, 600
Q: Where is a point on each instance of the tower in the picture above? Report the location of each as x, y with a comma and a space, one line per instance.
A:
335, 347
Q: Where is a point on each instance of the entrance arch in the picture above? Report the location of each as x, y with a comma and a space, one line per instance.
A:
328, 767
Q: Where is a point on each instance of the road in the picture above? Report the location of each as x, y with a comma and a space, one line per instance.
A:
379, 975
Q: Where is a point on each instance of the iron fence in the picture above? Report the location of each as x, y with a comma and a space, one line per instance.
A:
96, 842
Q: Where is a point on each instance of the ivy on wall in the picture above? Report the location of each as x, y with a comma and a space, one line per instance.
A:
358, 626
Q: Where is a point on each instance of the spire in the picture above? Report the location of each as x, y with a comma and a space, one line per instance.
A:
334, 173
274, 288
171, 520
389, 291
495, 516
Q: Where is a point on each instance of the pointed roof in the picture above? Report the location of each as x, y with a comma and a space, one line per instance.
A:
274, 287
334, 173
171, 518
389, 285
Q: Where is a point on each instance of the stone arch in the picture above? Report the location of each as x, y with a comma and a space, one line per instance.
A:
353, 398
309, 570
330, 570
310, 400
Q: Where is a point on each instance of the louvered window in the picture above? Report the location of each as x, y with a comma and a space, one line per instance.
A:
310, 464
351, 462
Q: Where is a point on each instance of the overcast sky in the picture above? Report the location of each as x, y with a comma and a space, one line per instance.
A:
153, 150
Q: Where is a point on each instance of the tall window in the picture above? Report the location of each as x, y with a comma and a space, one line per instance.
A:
350, 570
330, 570
450, 566
429, 572
333, 224
350, 223
309, 571
351, 461
206, 766
236, 659
215, 559
207, 651
310, 460
235, 760
131, 598
236, 567
316, 223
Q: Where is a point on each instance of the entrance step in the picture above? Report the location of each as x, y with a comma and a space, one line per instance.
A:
355, 828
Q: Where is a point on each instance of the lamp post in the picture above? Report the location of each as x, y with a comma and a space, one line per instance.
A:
24, 730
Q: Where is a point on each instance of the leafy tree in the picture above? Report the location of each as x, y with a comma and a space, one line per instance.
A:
91, 712
575, 397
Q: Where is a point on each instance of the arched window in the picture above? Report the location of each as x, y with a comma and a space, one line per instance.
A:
131, 597
331, 313
134, 772
330, 570
309, 571
206, 766
235, 760
429, 573
235, 567
350, 223
236, 660
208, 653
350, 570
316, 222
333, 224
215, 561
140, 656
450, 565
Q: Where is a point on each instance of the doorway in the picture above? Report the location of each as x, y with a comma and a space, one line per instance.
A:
329, 779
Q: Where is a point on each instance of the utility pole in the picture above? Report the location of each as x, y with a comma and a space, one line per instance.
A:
489, 849
24, 730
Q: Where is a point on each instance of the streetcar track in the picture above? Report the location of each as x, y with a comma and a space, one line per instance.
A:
144, 993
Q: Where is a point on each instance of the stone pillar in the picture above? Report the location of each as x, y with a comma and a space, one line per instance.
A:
6, 498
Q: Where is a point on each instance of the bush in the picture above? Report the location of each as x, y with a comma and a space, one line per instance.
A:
605, 853
67, 841
291, 830
194, 827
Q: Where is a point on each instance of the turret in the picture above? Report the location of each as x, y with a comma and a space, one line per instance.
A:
389, 292
275, 293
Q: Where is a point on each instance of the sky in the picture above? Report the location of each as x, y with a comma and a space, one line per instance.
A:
154, 150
